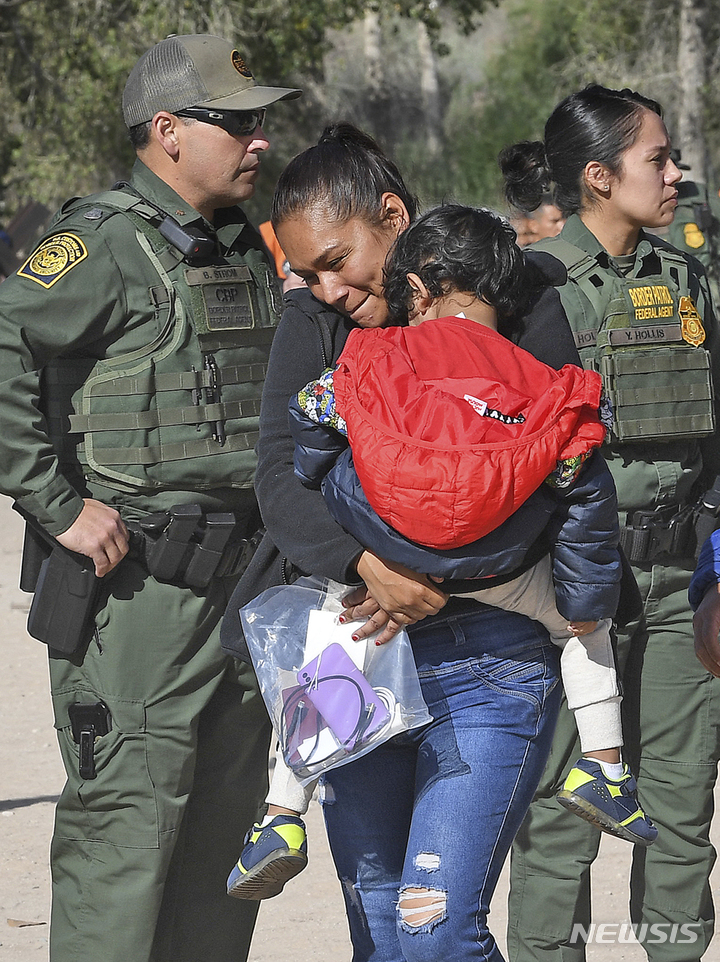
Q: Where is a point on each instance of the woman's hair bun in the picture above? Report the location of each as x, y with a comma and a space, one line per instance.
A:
527, 178
349, 136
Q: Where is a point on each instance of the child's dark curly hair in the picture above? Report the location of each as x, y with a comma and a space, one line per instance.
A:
455, 248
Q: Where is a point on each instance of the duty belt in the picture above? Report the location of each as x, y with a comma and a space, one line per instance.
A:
671, 531
662, 533
187, 546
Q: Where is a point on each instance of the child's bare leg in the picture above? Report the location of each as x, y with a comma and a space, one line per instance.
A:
609, 755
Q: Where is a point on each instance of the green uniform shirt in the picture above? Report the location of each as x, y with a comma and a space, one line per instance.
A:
651, 473
89, 296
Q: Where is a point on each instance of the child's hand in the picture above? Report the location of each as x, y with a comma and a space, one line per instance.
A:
579, 628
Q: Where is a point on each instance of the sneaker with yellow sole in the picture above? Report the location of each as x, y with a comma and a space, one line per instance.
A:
612, 806
273, 854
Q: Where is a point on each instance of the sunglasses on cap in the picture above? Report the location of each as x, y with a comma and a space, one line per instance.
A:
239, 123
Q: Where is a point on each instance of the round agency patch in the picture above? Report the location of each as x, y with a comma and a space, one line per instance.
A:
240, 65
53, 259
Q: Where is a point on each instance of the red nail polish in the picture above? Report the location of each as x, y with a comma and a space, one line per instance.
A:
342, 619
355, 637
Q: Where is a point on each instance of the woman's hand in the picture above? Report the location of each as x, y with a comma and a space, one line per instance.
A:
360, 604
393, 597
706, 624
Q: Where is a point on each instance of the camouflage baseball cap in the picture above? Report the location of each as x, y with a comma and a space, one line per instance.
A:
198, 70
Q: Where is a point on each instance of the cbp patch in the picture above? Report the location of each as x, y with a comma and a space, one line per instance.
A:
53, 258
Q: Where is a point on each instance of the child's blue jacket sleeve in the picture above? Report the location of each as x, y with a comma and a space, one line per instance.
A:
707, 572
586, 562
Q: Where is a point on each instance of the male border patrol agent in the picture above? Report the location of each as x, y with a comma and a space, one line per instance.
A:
133, 347
696, 225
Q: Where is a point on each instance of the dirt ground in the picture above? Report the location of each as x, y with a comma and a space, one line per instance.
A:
304, 924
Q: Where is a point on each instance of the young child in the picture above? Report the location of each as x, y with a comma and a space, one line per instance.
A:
453, 430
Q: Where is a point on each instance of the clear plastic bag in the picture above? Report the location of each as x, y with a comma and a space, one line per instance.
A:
330, 699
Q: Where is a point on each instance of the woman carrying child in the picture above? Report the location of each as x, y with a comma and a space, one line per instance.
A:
420, 827
446, 466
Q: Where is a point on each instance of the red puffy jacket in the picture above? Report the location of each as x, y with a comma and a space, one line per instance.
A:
453, 427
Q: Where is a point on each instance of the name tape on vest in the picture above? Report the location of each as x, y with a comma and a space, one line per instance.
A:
623, 336
226, 296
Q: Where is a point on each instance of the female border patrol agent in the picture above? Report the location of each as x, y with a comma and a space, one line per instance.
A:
133, 347
640, 312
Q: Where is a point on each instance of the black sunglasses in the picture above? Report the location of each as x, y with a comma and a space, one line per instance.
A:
239, 123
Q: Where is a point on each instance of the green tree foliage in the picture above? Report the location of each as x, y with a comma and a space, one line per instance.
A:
58, 96
435, 14
554, 47
520, 84
64, 63
637, 45
539, 63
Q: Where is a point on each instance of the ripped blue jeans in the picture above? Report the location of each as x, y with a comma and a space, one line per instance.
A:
419, 828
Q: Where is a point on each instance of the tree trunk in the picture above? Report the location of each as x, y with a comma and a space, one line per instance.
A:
692, 69
430, 89
377, 96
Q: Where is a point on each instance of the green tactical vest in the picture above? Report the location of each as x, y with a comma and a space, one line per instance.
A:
645, 337
182, 412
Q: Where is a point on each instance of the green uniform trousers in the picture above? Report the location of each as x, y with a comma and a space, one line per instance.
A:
671, 713
140, 854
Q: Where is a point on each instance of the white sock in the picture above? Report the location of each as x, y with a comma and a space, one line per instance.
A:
612, 770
